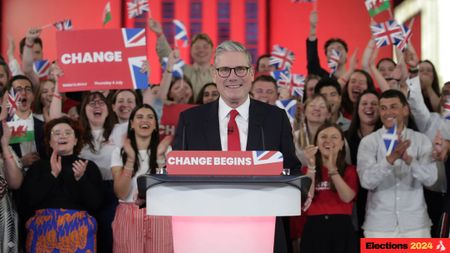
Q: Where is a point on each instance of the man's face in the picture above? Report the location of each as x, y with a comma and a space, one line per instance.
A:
264, 66
201, 52
234, 87
37, 52
340, 48
24, 89
333, 98
265, 91
392, 111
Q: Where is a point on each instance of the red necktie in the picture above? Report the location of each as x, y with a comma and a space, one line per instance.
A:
233, 132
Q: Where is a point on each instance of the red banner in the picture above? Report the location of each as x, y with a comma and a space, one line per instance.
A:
397, 245
101, 59
169, 119
225, 163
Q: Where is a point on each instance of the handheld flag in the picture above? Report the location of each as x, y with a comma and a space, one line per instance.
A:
177, 67
390, 139
282, 58
180, 33
387, 33
63, 25
42, 68
13, 101
290, 106
107, 13
333, 61
374, 7
283, 78
407, 34
137, 7
297, 85
22, 131
446, 108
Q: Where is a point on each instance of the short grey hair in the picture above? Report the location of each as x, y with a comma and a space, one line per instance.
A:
232, 46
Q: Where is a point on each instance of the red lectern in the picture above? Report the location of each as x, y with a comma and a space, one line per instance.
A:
223, 213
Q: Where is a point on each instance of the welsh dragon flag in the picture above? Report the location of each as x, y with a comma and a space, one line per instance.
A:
374, 7
22, 131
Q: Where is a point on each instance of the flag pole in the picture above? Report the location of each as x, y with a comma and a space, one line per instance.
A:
46, 26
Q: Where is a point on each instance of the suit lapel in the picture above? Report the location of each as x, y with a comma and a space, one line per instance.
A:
255, 127
212, 132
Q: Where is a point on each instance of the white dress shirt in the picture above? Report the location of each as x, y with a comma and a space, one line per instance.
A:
241, 121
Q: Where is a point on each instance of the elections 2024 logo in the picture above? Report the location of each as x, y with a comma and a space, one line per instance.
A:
225, 162
102, 59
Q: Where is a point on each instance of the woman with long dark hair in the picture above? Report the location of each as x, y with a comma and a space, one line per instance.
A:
133, 230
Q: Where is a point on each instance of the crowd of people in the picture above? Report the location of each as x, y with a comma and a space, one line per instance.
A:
373, 138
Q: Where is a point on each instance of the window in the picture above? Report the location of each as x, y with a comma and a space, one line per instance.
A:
223, 18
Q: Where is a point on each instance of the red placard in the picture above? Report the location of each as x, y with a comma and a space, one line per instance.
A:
397, 245
169, 119
225, 163
101, 59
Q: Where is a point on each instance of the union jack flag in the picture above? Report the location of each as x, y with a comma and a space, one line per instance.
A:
407, 33
333, 60
390, 139
447, 108
177, 67
13, 101
42, 68
387, 33
267, 157
297, 85
63, 25
290, 106
282, 58
133, 37
283, 77
137, 7
180, 33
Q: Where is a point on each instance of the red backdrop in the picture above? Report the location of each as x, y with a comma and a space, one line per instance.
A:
289, 23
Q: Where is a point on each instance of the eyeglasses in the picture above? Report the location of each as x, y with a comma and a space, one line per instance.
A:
59, 134
96, 102
22, 89
239, 71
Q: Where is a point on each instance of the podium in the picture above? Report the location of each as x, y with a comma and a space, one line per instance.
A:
223, 213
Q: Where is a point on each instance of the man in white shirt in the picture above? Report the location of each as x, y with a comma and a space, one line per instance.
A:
254, 124
395, 204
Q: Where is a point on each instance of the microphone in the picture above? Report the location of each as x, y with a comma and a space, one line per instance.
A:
262, 138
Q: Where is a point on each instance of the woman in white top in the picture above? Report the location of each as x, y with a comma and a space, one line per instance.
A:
133, 230
97, 119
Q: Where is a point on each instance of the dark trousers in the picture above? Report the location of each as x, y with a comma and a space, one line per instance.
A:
329, 234
435, 206
105, 217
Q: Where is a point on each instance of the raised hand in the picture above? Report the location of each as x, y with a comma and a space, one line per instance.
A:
440, 147
155, 26
32, 34
131, 155
399, 150
310, 155
79, 167
55, 164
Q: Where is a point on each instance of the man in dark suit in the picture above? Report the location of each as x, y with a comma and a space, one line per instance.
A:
254, 125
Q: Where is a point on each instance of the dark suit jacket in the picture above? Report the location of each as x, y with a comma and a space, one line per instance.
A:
268, 129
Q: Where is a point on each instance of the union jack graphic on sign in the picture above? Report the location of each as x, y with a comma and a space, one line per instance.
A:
139, 78
133, 37
267, 157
